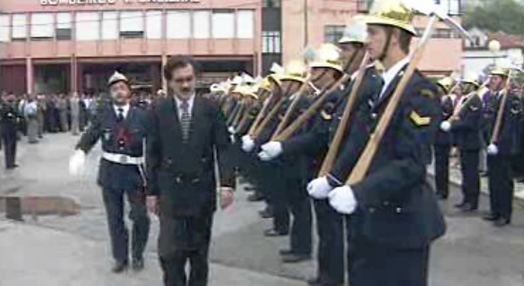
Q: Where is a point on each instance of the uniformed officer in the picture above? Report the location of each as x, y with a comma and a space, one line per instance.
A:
122, 129
8, 129
443, 140
502, 147
465, 126
394, 214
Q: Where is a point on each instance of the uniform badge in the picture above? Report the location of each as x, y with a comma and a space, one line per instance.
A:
427, 93
107, 135
473, 108
326, 116
419, 120
516, 108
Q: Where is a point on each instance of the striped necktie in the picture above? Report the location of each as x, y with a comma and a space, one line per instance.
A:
185, 121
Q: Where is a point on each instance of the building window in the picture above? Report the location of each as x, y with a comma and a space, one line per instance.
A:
223, 24
271, 3
87, 26
332, 34
363, 6
201, 27
245, 24
42, 26
178, 24
131, 24
19, 27
271, 42
452, 7
63, 26
110, 25
4, 28
154, 24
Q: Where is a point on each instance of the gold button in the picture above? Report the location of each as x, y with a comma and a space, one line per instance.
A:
374, 116
399, 210
386, 203
371, 210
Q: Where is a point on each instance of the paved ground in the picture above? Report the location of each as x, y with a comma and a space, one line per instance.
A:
73, 250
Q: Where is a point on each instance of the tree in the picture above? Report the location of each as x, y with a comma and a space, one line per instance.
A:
496, 15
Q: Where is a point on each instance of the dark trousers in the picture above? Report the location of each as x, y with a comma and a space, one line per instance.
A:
9, 144
500, 185
274, 186
114, 203
330, 231
378, 265
469, 164
300, 209
442, 169
179, 246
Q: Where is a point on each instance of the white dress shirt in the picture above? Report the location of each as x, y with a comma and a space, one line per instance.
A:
125, 109
190, 102
391, 73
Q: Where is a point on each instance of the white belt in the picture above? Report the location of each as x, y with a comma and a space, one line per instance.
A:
123, 159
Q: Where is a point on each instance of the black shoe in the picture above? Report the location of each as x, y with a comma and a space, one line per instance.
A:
12, 167
256, 197
138, 265
460, 205
501, 221
249, 188
441, 196
119, 267
314, 281
273, 233
468, 207
285, 251
491, 217
266, 213
295, 258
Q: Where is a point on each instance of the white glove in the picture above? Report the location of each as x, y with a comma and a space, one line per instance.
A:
77, 163
445, 126
493, 149
247, 143
319, 188
343, 200
231, 130
270, 151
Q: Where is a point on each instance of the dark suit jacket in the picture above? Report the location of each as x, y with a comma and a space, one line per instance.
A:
396, 205
445, 138
466, 131
119, 138
183, 174
507, 141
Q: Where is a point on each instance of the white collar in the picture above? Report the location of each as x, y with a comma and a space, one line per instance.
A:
392, 72
190, 102
125, 109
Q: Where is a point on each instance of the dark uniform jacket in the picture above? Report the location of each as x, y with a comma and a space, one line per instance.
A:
8, 119
445, 138
507, 140
125, 138
396, 205
466, 131
183, 174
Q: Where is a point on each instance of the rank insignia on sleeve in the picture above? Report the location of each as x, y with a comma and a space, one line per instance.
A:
419, 120
427, 93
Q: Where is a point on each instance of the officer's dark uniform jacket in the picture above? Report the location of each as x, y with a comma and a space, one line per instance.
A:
126, 138
507, 141
8, 118
442, 137
396, 205
183, 174
466, 130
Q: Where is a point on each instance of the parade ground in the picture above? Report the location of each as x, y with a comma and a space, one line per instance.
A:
70, 250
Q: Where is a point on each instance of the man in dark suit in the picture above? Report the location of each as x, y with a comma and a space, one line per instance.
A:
8, 128
122, 129
187, 135
503, 146
466, 126
443, 140
394, 214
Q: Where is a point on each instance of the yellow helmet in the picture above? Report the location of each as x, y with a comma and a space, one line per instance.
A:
392, 13
446, 83
295, 70
501, 71
471, 79
328, 56
355, 31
